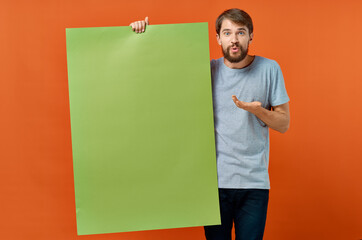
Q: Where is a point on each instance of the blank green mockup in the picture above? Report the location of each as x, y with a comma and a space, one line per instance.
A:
142, 128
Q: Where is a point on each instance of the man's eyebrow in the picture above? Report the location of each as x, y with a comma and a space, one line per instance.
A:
227, 29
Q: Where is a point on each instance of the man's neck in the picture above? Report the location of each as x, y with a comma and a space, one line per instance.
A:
244, 63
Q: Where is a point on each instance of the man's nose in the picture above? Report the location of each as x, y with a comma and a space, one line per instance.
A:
234, 38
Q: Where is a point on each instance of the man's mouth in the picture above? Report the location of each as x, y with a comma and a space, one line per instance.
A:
234, 49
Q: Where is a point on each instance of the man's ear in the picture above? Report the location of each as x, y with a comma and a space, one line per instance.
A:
218, 39
251, 37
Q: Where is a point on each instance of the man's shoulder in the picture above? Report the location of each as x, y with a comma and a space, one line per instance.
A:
267, 62
214, 63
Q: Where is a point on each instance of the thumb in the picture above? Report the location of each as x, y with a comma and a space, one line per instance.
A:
146, 20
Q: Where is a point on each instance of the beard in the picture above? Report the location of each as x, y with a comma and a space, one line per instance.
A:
238, 58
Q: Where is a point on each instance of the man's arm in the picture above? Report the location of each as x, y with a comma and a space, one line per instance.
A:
278, 119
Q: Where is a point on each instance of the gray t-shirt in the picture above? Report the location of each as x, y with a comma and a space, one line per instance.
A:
242, 140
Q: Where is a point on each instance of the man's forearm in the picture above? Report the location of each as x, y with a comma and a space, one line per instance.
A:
276, 120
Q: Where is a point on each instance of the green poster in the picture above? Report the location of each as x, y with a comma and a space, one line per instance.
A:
142, 128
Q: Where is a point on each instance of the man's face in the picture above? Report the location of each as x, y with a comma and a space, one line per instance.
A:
234, 40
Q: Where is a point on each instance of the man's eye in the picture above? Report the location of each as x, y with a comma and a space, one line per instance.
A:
227, 34
241, 33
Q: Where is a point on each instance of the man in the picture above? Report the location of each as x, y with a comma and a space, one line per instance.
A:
249, 97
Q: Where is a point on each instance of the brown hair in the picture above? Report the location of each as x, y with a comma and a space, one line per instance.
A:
237, 16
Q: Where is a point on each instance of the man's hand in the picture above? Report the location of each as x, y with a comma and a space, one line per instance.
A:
140, 26
278, 119
252, 107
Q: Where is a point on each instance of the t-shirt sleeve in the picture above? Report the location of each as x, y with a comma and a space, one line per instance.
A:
278, 94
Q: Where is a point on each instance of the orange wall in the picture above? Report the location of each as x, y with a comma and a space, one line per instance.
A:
316, 192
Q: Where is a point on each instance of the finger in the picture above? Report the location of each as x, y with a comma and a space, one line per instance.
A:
237, 102
132, 26
143, 24
235, 99
139, 26
147, 22
240, 104
135, 26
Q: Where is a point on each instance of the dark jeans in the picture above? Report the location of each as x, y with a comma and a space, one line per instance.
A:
247, 208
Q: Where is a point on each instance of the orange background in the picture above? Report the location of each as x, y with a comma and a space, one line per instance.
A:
314, 167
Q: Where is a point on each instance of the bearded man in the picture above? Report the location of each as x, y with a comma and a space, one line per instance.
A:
249, 97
